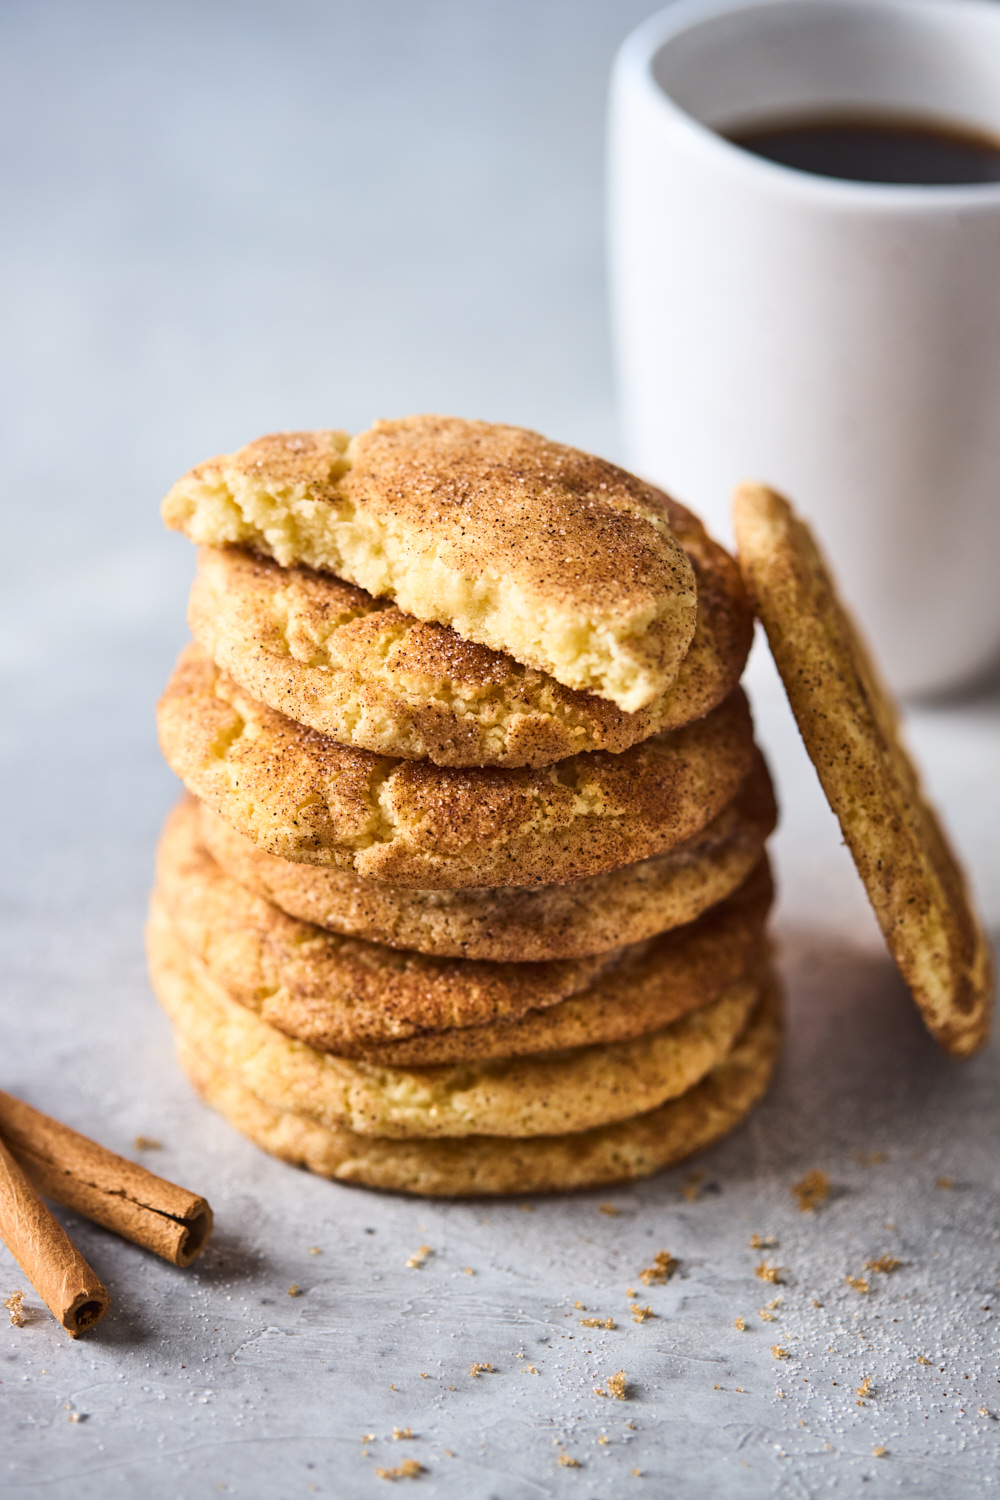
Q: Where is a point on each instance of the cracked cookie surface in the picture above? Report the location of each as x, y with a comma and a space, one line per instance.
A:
481, 1165
559, 559
360, 999
304, 797
570, 1090
359, 670
521, 923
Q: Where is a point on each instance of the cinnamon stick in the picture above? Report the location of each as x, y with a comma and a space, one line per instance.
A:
62, 1278
122, 1196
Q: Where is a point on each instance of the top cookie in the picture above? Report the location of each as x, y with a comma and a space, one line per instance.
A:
557, 558
850, 727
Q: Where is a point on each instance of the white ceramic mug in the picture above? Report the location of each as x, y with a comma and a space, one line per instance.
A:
838, 340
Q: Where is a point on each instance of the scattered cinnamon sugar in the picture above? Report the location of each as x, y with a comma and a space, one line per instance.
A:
15, 1306
408, 1469
416, 1260
478, 1369
663, 1267
762, 1242
811, 1190
640, 1314
764, 1272
885, 1263
858, 1283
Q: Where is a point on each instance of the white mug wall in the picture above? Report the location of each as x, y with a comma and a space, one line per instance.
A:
838, 340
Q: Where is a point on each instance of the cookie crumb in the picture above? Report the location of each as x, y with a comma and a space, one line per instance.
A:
478, 1369
597, 1323
147, 1143
416, 1260
408, 1469
293, 1290
663, 1267
811, 1190
764, 1272
885, 1263
15, 1306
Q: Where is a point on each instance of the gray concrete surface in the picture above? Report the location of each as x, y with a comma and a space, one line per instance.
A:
227, 218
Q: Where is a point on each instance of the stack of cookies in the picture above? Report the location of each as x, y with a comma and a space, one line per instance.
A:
468, 891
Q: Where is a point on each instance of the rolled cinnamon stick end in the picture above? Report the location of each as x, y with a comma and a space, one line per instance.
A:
62, 1278
117, 1193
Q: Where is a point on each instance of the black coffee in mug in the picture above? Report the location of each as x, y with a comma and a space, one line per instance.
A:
869, 148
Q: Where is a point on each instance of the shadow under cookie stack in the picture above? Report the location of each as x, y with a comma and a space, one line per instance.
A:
468, 891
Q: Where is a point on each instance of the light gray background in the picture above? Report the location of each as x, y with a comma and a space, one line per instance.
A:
225, 218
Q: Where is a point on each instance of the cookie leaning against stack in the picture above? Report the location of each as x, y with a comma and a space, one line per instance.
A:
470, 894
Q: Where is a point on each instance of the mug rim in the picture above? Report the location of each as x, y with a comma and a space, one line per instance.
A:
640, 49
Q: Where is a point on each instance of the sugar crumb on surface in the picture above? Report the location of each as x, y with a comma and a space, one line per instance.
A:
762, 1242
147, 1143
766, 1272
811, 1190
858, 1284
477, 1369
779, 1352
663, 1267
293, 1290
868, 1158
885, 1263
417, 1259
15, 1306
609, 1209
401, 1432
740, 1324
880, 1452
408, 1469
597, 1323
566, 1461
640, 1314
